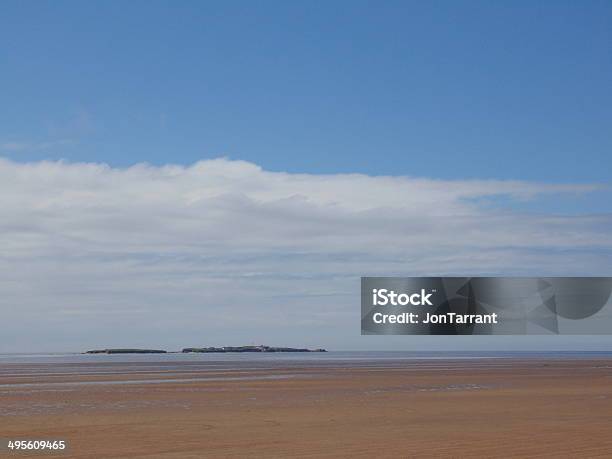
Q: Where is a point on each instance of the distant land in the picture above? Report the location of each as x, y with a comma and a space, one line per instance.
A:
205, 350
126, 351
249, 349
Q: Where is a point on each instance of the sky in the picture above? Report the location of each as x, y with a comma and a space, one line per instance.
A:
185, 173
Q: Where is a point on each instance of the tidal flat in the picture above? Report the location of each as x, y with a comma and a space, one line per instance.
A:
162, 407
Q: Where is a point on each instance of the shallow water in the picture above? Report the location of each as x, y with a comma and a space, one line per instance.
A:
151, 381
334, 356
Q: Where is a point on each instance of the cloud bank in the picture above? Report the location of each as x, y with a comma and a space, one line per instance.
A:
224, 252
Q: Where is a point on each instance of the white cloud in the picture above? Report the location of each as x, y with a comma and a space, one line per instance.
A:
221, 250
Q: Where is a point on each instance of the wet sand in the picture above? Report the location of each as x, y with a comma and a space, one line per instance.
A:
424, 408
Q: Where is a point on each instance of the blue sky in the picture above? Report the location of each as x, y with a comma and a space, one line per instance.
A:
517, 90
361, 138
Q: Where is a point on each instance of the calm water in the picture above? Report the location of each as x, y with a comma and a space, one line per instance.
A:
30, 373
313, 358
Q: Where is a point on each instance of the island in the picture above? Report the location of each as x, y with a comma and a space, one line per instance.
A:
248, 349
126, 351
204, 350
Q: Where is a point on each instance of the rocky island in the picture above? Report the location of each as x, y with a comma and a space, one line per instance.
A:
126, 351
205, 350
248, 349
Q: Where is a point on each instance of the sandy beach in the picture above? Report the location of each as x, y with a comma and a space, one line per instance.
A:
425, 408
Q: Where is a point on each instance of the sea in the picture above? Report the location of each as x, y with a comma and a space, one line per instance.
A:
288, 357
46, 372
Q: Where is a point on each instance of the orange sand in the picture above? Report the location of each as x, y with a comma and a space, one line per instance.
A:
493, 408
